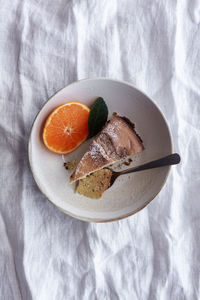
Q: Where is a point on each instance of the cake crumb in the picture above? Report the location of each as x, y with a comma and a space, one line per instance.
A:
70, 165
94, 185
114, 114
127, 163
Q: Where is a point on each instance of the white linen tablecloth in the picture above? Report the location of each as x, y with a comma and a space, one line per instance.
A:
44, 45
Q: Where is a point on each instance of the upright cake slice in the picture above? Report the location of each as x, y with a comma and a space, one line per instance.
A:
116, 141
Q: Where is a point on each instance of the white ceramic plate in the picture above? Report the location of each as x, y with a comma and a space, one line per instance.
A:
130, 192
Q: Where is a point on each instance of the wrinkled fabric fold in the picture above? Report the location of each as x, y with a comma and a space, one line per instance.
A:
46, 45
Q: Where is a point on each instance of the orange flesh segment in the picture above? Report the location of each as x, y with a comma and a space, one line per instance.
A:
66, 127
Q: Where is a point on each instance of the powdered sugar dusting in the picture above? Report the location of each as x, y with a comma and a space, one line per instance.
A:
95, 153
102, 151
112, 129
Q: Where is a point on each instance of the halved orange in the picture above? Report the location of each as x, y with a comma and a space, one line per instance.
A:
66, 127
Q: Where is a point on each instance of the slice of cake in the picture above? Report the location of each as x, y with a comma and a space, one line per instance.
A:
116, 141
95, 184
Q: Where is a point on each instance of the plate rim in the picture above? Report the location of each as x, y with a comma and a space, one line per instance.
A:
100, 220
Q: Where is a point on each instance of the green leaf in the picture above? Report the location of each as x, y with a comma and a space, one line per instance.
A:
98, 117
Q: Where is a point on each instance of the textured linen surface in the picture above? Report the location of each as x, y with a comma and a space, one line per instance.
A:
44, 45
